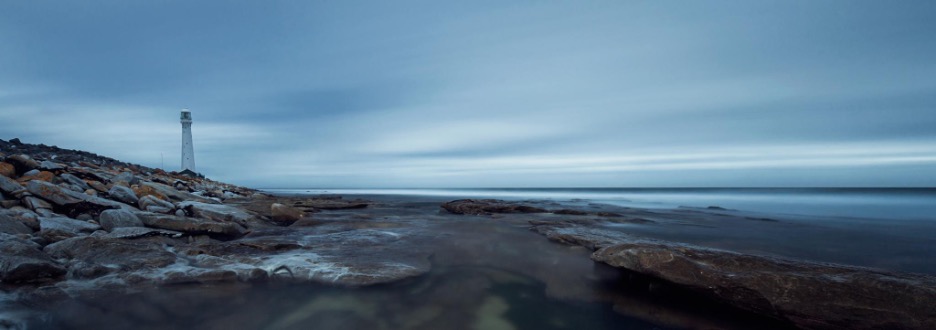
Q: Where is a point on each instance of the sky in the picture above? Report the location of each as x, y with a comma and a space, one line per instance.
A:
432, 94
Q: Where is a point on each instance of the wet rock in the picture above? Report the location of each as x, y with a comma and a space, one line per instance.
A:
569, 212
21, 261
22, 163
331, 204
123, 194
124, 254
191, 226
284, 215
7, 170
140, 232
488, 207
217, 212
111, 219
811, 295
195, 275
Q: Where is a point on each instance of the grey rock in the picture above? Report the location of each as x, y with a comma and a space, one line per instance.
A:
175, 195
9, 225
111, 219
9, 186
123, 194
159, 209
487, 207
50, 166
74, 202
217, 212
150, 200
74, 180
22, 261
54, 229
33, 172
180, 213
191, 226
126, 177
34, 203
284, 215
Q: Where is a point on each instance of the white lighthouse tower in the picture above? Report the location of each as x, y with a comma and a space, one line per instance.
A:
188, 151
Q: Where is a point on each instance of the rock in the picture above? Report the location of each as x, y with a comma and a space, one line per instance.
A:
173, 194
126, 177
7, 170
810, 295
487, 207
111, 219
143, 191
55, 229
72, 202
123, 194
9, 225
21, 261
191, 226
284, 215
150, 200
22, 163
25, 217
34, 203
9, 186
50, 166
75, 181
140, 232
331, 204
122, 254
217, 212
100, 187
570, 212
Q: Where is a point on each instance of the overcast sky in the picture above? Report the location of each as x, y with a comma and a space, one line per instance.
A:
332, 94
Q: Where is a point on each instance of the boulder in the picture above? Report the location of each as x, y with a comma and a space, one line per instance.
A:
152, 204
810, 295
23, 216
34, 203
283, 214
9, 186
22, 261
7, 170
126, 177
487, 207
123, 194
55, 229
217, 212
111, 219
72, 202
173, 194
100, 187
191, 226
22, 163
9, 225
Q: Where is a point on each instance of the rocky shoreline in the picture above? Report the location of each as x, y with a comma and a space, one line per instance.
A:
74, 223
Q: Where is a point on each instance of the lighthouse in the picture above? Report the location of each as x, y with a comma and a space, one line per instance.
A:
188, 151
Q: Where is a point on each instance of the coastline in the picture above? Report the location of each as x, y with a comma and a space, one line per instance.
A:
137, 230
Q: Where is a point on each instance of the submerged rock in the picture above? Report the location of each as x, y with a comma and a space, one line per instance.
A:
283, 214
22, 261
487, 207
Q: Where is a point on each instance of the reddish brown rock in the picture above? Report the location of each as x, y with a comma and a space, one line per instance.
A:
7, 170
284, 215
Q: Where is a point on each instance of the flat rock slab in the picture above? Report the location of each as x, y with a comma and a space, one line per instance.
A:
140, 232
331, 204
87, 251
217, 212
71, 202
810, 295
191, 226
488, 207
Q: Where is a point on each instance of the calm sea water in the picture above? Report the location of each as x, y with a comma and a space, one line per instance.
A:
879, 203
